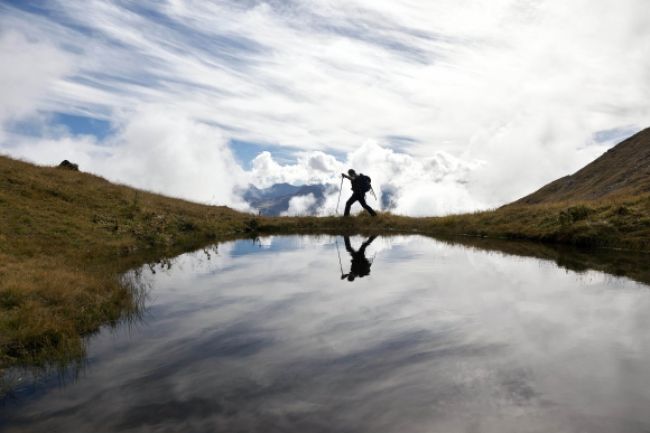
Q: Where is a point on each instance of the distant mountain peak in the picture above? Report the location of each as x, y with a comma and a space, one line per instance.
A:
274, 200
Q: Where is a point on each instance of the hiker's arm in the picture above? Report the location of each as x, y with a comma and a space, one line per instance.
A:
366, 243
346, 176
369, 241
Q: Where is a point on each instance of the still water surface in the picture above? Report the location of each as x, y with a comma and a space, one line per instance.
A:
405, 335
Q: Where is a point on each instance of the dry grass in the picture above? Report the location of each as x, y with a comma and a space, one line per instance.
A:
615, 222
622, 170
66, 237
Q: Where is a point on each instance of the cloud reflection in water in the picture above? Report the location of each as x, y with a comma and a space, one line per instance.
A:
266, 337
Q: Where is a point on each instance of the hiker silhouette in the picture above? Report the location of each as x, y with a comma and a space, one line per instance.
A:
359, 265
360, 186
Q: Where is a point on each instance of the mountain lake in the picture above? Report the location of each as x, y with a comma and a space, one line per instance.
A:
336, 334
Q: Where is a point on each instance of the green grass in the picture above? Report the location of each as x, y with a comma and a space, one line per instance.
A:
66, 237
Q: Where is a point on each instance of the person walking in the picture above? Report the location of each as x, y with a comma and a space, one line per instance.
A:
360, 186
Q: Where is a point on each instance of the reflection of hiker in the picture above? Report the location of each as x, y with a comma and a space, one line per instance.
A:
360, 186
360, 265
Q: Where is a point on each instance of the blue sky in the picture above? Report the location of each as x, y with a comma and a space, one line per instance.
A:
199, 98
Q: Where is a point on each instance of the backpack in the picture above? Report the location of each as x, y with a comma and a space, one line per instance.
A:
362, 183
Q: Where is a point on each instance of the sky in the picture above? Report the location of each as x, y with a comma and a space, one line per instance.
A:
449, 105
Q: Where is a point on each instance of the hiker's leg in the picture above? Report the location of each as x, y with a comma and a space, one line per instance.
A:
348, 204
362, 201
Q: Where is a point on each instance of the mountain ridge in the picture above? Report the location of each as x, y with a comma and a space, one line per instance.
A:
274, 200
622, 170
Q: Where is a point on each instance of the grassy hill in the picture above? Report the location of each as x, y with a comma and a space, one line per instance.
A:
67, 236
623, 170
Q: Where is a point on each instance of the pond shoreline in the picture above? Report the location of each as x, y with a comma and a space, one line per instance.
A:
270, 322
67, 236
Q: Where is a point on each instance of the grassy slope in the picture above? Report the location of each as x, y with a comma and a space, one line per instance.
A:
622, 170
66, 236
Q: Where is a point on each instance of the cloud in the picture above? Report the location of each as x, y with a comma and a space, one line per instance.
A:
417, 186
32, 66
154, 149
300, 205
309, 168
521, 85
403, 184
161, 151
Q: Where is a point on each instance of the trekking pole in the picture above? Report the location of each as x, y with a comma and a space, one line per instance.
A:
339, 254
339, 199
373, 193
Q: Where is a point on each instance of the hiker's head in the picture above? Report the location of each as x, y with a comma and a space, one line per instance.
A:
352, 172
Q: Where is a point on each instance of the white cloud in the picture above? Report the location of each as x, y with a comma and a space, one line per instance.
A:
161, 151
30, 67
520, 85
309, 168
414, 186
300, 205
154, 149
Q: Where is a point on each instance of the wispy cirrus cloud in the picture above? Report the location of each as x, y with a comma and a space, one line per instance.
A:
527, 86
